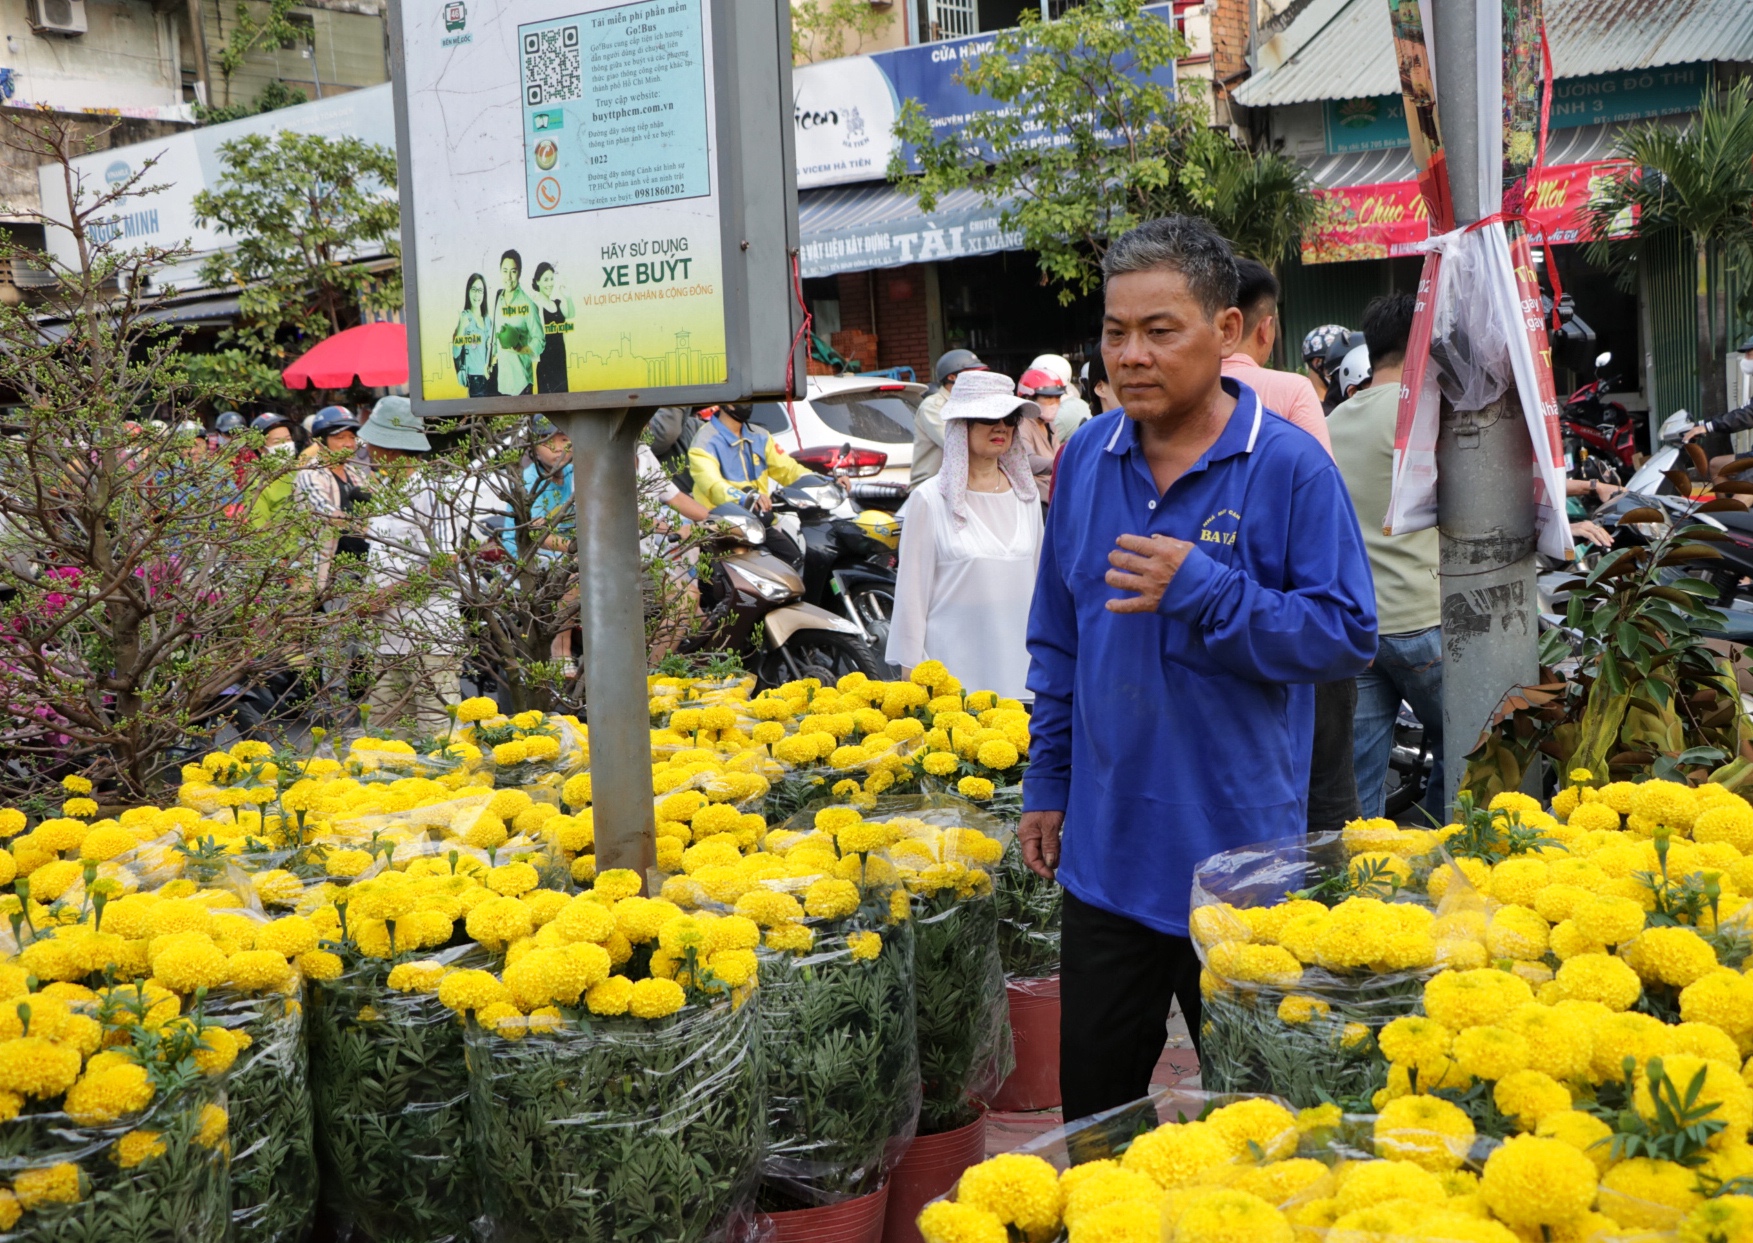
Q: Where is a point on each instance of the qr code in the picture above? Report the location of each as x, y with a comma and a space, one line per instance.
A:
550, 66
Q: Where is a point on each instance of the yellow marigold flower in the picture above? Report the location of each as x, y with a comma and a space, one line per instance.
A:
51, 1184
104, 1095
1425, 1130
347, 863
735, 967
1584, 1132
76, 785
1642, 1193
471, 990
82, 808
416, 977
940, 763
618, 883
768, 908
1702, 1040
1560, 1040
137, 1148
865, 945
513, 879
479, 708
1255, 1126
1723, 999
1414, 1041
1528, 1096
497, 922
1096, 1184
948, 1221
977, 788
1490, 1052
1674, 956
1370, 1183
1463, 999
1517, 933
1255, 964
214, 1124
275, 888
1726, 1219
1599, 977
1177, 1153
1019, 1190
1532, 1183
319, 965
997, 753
793, 938
1619, 1036
189, 965
1609, 920
831, 899
257, 971
655, 999
610, 997
1297, 1009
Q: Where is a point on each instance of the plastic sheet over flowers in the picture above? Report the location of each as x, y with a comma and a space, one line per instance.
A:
273, 1164
838, 1037
963, 1013
1294, 988
160, 1176
1192, 1167
619, 1129
390, 1083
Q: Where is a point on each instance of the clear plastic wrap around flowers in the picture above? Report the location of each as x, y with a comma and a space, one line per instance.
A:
627, 1130
158, 1177
273, 1163
390, 1085
837, 1033
1029, 909
1295, 987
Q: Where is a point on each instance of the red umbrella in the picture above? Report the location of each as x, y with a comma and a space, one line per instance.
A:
376, 353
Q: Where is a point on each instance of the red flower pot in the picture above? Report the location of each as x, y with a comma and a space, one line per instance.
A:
1034, 1026
850, 1221
930, 1168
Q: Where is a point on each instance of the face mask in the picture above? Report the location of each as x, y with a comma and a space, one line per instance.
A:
1747, 366
284, 446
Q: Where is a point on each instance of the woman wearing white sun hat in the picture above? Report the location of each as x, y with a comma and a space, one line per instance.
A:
969, 545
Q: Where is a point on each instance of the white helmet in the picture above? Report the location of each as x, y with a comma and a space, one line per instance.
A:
1354, 369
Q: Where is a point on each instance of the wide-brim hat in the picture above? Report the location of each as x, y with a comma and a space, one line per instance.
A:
394, 425
986, 395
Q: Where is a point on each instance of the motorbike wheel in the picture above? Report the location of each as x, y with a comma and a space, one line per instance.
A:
875, 607
823, 654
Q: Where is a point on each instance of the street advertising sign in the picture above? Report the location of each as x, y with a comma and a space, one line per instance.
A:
599, 204
845, 110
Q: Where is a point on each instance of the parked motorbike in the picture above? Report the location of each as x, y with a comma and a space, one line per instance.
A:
1409, 764
1605, 429
849, 554
754, 606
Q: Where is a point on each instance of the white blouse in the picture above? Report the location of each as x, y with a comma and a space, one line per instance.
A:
962, 595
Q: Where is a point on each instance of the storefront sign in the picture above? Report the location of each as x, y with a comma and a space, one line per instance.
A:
1389, 219
892, 244
1379, 122
844, 111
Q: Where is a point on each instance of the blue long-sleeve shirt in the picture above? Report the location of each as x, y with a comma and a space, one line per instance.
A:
1166, 738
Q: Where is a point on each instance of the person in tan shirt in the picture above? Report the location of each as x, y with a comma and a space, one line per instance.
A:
1285, 393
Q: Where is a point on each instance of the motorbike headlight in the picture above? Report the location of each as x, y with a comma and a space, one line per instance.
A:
768, 589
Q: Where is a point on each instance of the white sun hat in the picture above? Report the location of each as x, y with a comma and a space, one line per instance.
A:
986, 395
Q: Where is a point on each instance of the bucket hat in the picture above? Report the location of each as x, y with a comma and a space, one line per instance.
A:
986, 395
394, 425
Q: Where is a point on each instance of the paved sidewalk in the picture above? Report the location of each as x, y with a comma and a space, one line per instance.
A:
1178, 1067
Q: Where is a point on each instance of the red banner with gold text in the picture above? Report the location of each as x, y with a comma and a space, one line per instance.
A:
1389, 218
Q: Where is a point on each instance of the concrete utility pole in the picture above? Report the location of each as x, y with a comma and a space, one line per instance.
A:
611, 612
1485, 497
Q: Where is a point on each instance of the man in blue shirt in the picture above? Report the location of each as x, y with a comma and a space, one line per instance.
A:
1201, 570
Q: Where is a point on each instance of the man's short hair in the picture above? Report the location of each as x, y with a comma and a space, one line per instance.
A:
1184, 244
1387, 323
1257, 291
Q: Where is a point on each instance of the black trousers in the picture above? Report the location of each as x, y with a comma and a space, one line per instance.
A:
1117, 978
1332, 776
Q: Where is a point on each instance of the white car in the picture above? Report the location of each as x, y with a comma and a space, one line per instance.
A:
871, 414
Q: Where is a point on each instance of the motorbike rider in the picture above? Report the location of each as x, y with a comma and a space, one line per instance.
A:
1737, 420
1316, 344
730, 455
331, 484
928, 419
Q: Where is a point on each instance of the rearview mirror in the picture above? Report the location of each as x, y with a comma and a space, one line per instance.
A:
1603, 358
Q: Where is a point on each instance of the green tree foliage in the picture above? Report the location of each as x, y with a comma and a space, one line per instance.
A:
830, 29
1131, 149
274, 29
1699, 181
301, 209
272, 96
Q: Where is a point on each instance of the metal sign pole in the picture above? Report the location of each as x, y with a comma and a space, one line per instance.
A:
611, 611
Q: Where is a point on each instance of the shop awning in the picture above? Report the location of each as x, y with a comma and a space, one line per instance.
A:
1585, 144
1344, 49
874, 225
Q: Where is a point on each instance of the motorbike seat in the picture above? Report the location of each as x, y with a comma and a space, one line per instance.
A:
1735, 520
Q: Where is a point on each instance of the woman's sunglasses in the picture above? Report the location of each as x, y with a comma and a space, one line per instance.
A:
1009, 420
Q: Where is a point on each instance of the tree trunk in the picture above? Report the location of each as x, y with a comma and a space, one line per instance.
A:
1712, 392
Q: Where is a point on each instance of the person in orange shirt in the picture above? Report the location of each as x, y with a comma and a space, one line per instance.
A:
1286, 393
